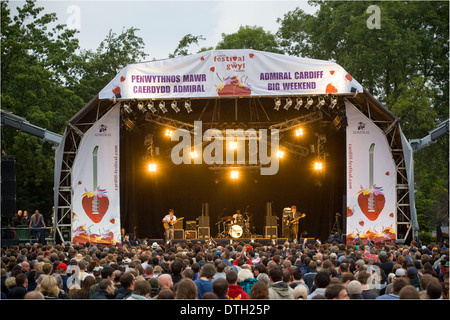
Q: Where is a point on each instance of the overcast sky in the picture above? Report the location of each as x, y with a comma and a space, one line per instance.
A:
162, 24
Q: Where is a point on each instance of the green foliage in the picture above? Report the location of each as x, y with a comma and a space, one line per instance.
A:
183, 45
250, 38
46, 81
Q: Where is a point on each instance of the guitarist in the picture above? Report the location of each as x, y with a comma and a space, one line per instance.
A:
169, 219
293, 223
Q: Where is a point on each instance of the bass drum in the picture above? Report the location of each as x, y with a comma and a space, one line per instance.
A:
236, 231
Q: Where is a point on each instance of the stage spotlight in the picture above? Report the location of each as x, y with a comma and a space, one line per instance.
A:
162, 106
169, 133
234, 174
288, 104
127, 108
309, 103
280, 154
299, 132
318, 166
194, 154
277, 104
299, 104
174, 106
333, 102
152, 167
233, 145
140, 106
187, 105
151, 107
320, 103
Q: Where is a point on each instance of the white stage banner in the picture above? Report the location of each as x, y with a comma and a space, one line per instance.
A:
371, 181
221, 73
95, 183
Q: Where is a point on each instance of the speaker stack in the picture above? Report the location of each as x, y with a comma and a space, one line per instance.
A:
8, 186
270, 222
203, 223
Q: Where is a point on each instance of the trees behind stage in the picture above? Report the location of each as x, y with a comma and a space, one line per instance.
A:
403, 61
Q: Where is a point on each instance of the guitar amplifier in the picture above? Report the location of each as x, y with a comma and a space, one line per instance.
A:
178, 234
178, 225
191, 225
190, 234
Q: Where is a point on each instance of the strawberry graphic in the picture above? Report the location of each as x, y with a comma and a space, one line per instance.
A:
96, 203
251, 55
331, 72
348, 77
212, 69
331, 88
372, 200
89, 205
122, 79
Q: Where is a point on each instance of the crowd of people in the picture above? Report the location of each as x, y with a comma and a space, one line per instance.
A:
238, 270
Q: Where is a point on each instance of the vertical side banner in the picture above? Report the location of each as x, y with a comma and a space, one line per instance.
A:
95, 183
371, 182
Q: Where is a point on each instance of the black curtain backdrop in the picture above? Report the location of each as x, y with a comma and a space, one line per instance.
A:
146, 197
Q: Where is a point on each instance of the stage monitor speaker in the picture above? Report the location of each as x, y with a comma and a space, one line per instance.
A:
178, 234
203, 222
203, 233
8, 187
270, 232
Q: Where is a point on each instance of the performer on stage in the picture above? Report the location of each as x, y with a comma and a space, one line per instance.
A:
293, 223
237, 217
169, 221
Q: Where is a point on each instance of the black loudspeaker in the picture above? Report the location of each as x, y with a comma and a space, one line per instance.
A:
270, 229
8, 186
178, 234
203, 222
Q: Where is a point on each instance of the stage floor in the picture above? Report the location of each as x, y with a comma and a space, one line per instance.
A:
226, 241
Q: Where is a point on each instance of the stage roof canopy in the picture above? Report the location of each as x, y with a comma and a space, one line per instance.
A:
222, 73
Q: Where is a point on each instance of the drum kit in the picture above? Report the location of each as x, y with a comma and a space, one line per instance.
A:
236, 228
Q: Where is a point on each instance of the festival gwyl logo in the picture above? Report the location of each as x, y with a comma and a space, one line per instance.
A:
236, 84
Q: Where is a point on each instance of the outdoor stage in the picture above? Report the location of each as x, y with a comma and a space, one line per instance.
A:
232, 241
148, 143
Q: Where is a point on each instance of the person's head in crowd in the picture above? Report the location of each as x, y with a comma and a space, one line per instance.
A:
186, 289
409, 292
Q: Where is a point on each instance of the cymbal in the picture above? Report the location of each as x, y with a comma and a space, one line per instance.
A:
227, 218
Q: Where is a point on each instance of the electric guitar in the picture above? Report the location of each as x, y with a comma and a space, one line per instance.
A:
167, 225
291, 222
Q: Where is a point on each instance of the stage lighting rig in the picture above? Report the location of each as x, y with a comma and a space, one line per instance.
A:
299, 132
187, 105
288, 104
280, 154
309, 102
298, 104
277, 104
333, 102
320, 103
152, 167
127, 108
175, 107
234, 174
169, 133
141, 107
318, 165
162, 106
151, 107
